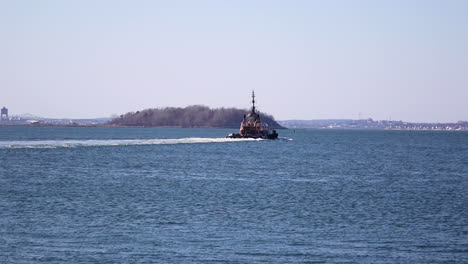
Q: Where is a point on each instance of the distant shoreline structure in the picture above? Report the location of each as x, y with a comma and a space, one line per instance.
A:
32, 120
287, 124
372, 124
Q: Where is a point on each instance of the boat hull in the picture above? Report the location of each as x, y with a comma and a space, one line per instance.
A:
272, 135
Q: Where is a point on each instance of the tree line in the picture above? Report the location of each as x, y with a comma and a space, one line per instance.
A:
190, 116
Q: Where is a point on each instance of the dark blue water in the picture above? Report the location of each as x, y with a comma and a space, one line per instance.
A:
139, 195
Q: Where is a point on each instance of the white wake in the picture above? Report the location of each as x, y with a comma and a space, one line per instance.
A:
113, 142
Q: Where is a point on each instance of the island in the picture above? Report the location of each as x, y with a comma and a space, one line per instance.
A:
195, 116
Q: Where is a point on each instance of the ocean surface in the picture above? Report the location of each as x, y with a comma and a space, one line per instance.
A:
160, 195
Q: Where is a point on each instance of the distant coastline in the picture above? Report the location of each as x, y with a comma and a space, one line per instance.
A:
286, 124
195, 116
230, 119
372, 124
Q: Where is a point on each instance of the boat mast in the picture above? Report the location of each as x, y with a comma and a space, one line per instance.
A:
253, 101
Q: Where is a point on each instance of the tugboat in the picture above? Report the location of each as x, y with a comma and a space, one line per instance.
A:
252, 127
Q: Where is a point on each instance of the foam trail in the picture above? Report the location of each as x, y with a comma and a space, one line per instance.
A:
111, 142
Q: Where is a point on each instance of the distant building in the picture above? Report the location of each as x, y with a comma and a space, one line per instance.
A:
4, 115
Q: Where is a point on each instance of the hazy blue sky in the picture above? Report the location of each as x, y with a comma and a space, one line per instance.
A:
407, 60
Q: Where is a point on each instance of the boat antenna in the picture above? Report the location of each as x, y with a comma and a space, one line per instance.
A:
253, 101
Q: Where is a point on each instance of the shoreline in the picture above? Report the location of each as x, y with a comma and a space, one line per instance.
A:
208, 127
